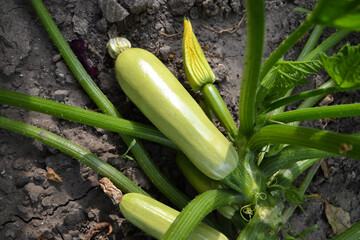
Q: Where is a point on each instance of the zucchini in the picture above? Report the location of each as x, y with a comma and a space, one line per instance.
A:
155, 218
166, 103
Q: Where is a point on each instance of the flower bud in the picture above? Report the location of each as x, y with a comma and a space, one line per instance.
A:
197, 69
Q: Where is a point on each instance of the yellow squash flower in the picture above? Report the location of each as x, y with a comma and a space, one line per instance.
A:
198, 71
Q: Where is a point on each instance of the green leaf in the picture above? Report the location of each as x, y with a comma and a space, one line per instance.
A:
344, 67
125, 155
342, 14
288, 74
304, 10
294, 196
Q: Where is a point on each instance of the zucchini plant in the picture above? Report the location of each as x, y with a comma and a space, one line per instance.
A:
246, 176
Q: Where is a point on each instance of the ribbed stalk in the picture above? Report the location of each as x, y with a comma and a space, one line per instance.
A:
83, 116
347, 145
198, 208
246, 178
285, 177
336, 111
328, 44
218, 107
288, 156
311, 101
311, 42
300, 96
70, 148
255, 32
140, 154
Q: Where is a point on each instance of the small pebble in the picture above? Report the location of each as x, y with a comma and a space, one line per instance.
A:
81, 26
112, 10
101, 25
59, 95
164, 53
56, 57
137, 6
180, 7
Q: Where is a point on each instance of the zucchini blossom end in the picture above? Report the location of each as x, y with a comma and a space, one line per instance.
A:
117, 45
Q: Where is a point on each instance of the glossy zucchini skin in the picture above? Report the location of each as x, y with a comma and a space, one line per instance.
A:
155, 218
167, 104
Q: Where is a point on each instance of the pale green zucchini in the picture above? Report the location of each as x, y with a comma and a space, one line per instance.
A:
167, 104
155, 218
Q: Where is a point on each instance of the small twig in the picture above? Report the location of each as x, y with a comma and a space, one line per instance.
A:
169, 35
98, 228
229, 30
157, 48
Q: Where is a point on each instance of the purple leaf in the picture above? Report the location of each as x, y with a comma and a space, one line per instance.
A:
79, 48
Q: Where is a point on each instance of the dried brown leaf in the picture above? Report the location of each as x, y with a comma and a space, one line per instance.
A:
52, 175
325, 168
337, 218
111, 190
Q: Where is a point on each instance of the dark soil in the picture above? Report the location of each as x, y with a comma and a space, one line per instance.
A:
34, 207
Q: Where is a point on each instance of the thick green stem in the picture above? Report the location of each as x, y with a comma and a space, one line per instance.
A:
198, 208
70, 148
345, 110
218, 107
255, 31
342, 144
83, 116
246, 178
140, 154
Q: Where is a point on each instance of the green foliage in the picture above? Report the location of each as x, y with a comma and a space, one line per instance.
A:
301, 235
344, 67
304, 10
126, 155
294, 196
288, 74
342, 14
